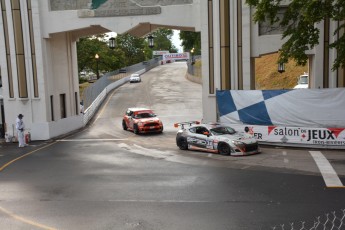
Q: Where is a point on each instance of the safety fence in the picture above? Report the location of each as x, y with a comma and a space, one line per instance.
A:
330, 221
94, 95
191, 68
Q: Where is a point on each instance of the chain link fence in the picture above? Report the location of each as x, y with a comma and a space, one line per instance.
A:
192, 70
330, 221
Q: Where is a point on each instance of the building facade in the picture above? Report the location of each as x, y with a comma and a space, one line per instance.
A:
231, 41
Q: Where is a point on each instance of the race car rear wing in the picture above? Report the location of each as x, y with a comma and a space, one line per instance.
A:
182, 124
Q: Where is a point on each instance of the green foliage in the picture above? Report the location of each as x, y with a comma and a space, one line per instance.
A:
132, 48
129, 50
82, 80
191, 40
88, 47
298, 23
162, 40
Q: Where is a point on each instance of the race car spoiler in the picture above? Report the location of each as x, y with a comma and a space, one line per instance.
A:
182, 124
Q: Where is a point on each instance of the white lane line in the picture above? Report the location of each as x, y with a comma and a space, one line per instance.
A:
164, 201
286, 161
76, 140
329, 175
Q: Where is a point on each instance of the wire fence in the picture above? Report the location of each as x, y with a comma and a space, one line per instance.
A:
191, 67
330, 221
91, 93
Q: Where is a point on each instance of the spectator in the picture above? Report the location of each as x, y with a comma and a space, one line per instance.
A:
81, 107
20, 126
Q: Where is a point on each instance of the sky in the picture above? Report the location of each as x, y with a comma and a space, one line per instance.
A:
176, 41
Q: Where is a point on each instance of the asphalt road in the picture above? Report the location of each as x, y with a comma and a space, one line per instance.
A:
106, 178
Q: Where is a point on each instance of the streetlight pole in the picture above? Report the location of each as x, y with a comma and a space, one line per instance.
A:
192, 51
281, 67
150, 40
112, 45
97, 60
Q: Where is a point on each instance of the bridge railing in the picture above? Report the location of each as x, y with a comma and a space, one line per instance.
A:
94, 95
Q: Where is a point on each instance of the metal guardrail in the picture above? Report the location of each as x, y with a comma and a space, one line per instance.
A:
94, 95
330, 221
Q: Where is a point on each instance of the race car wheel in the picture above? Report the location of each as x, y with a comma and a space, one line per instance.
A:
124, 126
135, 129
182, 144
224, 149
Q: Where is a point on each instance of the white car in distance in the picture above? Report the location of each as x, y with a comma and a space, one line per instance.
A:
135, 77
303, 82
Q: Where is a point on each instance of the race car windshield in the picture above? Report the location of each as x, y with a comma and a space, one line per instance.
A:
145, 115
222, 130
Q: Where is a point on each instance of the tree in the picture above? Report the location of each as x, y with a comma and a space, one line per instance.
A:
162, 40
191, 40
132, 47
88, 47
129, 50
298, 24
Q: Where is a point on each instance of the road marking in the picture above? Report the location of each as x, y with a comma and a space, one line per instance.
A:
329, 175
163, 201
76, 140
24, 220
103, 107
27, 154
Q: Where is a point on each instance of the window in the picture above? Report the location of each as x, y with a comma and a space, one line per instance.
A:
52, 107
63, 105
222, 130
201, 130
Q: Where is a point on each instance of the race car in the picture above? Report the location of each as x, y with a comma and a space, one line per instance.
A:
215, 138
141, 120
134, 78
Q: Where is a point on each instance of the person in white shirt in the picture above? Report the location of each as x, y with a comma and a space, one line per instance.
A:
20, 130
81, 107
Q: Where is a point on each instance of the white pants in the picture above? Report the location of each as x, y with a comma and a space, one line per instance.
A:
21, 138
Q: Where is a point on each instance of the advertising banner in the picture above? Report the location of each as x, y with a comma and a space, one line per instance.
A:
326, 137
176, 56
160, 52
320, 108
298, 116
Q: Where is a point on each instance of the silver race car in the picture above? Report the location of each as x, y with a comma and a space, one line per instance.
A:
216, 138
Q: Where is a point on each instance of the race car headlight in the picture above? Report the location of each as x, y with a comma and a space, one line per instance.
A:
238, 143
140, 124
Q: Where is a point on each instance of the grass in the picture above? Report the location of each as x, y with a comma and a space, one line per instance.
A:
268, 77
83, 86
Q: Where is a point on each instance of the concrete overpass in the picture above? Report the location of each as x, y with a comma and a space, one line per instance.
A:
39, 70
39, 63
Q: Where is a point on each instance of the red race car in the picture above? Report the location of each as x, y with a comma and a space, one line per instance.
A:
141, 120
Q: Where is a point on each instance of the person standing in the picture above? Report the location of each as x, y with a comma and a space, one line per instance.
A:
20, 130
82, 107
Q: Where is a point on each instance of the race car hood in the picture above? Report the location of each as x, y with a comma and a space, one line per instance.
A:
147, 120
247, 139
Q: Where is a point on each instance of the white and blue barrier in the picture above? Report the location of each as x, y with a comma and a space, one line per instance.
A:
297, 117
